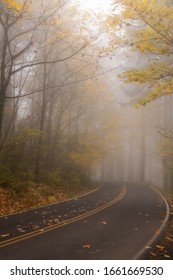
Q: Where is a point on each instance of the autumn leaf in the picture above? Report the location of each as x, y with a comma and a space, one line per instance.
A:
169, 239
35, 227
87, 246
160, 247
28, 227
19, 229
167, 256
153, 254
4, 235
136, 228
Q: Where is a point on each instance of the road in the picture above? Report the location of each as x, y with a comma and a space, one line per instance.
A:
114, 222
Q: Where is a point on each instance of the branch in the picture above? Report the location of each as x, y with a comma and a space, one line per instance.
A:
64, 85
155, 29
49, 62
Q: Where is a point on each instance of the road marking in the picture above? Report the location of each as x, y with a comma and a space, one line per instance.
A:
64, 223
48, 205
149, 245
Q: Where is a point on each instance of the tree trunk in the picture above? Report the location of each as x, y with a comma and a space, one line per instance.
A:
2, 106
42, 122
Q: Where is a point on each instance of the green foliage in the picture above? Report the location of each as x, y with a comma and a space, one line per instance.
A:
7, 178
86, 156
10, 180
54, 178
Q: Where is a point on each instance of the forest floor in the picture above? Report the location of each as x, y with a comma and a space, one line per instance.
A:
163, 250
36, 195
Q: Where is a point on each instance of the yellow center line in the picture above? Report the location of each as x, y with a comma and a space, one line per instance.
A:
64, 223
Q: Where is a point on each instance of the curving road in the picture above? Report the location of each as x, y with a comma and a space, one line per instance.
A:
113, 222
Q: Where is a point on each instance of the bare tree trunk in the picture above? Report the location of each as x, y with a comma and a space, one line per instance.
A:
142, 160
2, 105
143, 150
3, 85
42, 122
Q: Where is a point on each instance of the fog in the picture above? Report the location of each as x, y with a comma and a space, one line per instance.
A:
66, 116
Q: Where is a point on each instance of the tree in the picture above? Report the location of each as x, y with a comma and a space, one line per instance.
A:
53, 120
20, 24
148, 29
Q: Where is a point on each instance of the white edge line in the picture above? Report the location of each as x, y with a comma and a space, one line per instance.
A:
47, 205
67, 222
155, 236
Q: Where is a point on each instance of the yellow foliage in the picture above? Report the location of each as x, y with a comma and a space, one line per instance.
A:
148, 28
13, 4
17, 6
89, 152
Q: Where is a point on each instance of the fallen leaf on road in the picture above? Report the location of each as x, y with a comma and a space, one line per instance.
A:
148, 247
19, 229
104, 223
167, 256
154, 255
4, 235
157, 232
169, 239
28, 227
87, 246
34, 227
160, 247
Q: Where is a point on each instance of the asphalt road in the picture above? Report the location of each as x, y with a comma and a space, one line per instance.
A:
22, 223
120, 221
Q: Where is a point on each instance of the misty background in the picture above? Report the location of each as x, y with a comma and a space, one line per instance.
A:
66, 117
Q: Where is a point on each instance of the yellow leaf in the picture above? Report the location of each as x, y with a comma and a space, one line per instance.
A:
160, 247
157, 232
169, 239
87, 246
